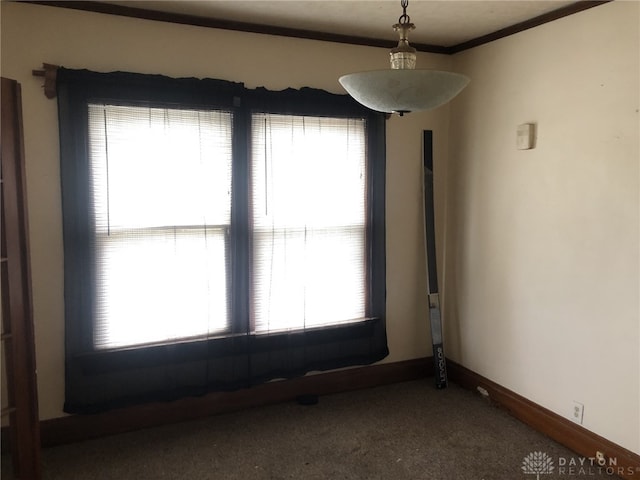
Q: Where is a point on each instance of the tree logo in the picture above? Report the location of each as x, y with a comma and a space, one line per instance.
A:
537, 463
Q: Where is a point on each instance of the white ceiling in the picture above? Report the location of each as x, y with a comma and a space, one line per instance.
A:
438, 22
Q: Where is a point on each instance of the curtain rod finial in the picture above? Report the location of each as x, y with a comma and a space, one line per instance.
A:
49, 72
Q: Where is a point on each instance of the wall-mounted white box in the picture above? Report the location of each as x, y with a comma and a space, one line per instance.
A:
526, 134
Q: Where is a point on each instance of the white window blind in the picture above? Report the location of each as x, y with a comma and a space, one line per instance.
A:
161, 184
308, 180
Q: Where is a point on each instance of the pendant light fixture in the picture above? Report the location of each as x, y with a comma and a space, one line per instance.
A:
403, 89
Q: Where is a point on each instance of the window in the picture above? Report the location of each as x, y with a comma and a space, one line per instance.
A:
161, 187
308, 219
215, 237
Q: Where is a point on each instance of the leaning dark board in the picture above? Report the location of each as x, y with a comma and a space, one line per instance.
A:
432, 273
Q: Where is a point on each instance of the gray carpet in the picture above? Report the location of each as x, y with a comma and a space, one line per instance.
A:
408, 430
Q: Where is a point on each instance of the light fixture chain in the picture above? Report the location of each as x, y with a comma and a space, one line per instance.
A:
404, 18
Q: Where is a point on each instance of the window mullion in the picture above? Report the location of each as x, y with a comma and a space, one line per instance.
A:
240, 230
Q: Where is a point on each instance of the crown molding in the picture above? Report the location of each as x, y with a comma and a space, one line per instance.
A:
184, 19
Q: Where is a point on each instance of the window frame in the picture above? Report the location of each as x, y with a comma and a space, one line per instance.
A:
95, 379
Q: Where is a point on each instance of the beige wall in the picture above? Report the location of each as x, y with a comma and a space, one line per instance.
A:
542, 262
33, 34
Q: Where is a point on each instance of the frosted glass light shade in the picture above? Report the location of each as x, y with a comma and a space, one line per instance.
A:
403, 90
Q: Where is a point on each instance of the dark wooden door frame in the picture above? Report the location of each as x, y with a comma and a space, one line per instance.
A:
17, 309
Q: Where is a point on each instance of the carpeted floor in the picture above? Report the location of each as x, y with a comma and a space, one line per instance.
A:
403, 431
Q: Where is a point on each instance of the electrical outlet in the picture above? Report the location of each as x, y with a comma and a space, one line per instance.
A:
577, 413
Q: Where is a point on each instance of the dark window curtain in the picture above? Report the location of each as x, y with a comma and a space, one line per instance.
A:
99, 379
